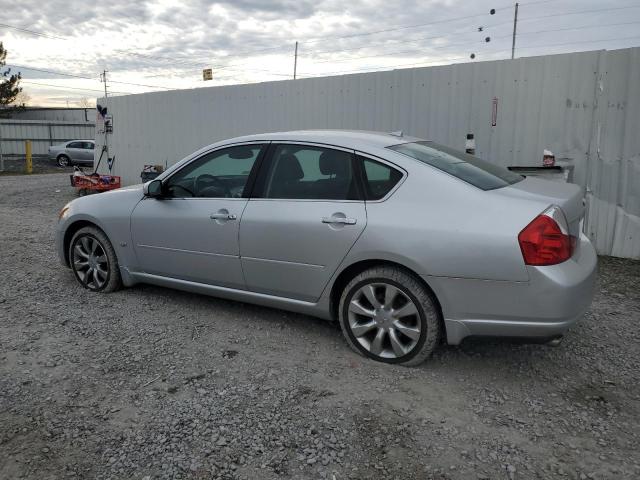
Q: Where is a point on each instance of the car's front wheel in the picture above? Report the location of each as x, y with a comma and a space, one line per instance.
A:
93, 260
63, 161
387, 314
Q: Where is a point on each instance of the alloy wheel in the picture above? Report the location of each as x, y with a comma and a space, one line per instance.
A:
384, 320
90, 262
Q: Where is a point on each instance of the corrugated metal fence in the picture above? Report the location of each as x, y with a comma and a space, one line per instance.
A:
13, 134
585, 107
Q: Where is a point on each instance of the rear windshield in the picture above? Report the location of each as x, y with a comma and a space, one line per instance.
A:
473, 170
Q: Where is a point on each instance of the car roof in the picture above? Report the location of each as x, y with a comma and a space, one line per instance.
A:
356, 139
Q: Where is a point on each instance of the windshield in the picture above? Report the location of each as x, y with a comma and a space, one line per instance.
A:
473, 170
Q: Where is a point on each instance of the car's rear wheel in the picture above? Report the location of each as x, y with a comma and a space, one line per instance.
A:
93, 260
63, 161
387, 314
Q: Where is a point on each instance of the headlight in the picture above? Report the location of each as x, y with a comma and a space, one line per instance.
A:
63, 212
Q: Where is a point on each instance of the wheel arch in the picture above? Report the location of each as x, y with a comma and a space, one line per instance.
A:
349, 272
71, 231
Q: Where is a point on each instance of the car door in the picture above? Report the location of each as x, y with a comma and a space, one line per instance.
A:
191, 233
75, 151
87, 151
303, 217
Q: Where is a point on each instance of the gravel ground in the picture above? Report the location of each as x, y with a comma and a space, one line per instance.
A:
154, 383
13, 166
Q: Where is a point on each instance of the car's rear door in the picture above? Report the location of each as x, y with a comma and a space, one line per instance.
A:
304, 215
87, 153
75, 151
192, 233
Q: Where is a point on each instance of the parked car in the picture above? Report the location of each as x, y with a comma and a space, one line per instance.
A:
401, 240
72, 152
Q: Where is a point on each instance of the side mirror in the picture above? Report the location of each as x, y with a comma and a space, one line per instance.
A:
153, 189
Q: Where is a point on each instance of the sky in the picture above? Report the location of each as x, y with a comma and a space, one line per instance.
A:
165, 44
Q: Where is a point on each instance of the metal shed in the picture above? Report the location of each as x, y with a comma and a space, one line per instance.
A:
585, 107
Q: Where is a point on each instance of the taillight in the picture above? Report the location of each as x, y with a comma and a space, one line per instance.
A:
546, 240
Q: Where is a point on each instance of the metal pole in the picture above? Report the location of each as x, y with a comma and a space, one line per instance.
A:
106, 141
295, 62
1, 157
515, 24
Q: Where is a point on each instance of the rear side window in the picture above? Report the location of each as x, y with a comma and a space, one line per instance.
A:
75, 145
379, 179
311, 173
473, 170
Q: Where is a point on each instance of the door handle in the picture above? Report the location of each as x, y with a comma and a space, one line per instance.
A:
223, 216
341, 220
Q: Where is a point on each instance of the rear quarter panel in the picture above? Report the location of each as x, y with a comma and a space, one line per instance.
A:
438, 225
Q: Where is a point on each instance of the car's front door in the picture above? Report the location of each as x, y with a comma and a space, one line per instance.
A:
305, 214
75, 151
192, 232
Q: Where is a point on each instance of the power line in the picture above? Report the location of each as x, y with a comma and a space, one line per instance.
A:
53, 72
71, 88
368, 69
32, 32
469, 43
335, 37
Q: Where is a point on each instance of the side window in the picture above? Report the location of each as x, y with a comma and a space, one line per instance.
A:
89, 145
219, 174
311, 173
75, 145
379, 178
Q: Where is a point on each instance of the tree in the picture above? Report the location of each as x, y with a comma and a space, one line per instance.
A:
9, 82
22, 99
84, 102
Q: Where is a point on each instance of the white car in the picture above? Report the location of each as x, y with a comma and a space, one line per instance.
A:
73, 152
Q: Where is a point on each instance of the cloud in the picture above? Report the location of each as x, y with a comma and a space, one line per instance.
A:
168, 42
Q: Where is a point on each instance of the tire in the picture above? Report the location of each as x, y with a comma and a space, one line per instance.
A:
411, 313
93, 261
63, 161
82, 192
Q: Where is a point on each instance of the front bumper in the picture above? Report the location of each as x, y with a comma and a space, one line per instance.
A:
59, 240
544, 307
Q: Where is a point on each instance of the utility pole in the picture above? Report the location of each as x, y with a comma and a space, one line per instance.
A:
515, 25
295, 62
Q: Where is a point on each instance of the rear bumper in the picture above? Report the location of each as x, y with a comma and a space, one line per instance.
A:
553, 299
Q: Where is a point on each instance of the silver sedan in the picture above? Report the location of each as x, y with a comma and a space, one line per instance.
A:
403, 241
72, 152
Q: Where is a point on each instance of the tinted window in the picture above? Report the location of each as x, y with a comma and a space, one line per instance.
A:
219, 174
306, 172
75, 145
473, 170
379, 178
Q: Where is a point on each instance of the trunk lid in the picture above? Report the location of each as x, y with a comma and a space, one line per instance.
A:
567, 196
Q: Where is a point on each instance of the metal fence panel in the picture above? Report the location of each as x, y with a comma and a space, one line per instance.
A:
42, 133
584, 106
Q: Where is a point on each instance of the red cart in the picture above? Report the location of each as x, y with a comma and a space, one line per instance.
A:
93, 183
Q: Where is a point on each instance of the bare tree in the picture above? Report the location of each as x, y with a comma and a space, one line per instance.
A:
22, 99
84, 102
